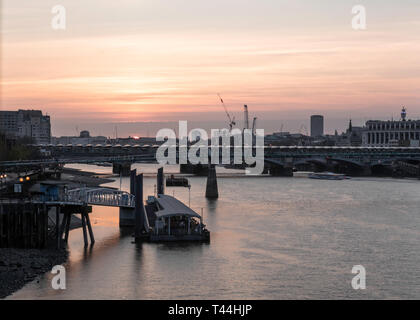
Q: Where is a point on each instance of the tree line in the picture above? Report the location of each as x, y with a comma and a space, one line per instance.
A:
17, 148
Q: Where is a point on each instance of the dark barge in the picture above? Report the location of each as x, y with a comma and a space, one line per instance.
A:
172, 220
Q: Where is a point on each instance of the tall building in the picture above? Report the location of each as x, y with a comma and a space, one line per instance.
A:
26, 123
317, 126
392, 133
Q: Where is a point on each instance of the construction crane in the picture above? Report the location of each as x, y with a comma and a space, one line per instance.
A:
246, 117
303, 130
254, 126
231, 119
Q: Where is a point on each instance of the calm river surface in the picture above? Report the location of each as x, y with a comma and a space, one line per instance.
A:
271, 238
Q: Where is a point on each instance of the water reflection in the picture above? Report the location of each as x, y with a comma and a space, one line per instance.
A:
272, 238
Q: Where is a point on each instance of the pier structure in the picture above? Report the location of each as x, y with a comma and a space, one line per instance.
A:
27, 222
23, 224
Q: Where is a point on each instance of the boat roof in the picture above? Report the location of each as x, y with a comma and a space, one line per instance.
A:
173, 207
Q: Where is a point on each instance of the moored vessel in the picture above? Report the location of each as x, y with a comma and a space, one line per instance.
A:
327, 176
172, 220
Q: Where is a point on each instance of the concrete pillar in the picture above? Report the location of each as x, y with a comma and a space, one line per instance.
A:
133, 174
212, 191
281, 171
139, 209
127, 215
186, 168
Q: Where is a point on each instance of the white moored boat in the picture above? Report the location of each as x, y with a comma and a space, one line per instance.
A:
327, 176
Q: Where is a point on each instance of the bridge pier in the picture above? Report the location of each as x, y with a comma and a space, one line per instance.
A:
186, 168
212, 191
121, 168
160, 182
197, 169
278, 171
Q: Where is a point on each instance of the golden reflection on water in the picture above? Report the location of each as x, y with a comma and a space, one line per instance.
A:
272, 238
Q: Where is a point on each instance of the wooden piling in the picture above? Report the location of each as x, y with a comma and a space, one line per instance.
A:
23, 225
63, 225
84, 228
92, 238
68, 222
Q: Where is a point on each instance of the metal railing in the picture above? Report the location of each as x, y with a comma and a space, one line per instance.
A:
100, 197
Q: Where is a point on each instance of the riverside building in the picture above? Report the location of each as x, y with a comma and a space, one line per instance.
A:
26, 123
392, 133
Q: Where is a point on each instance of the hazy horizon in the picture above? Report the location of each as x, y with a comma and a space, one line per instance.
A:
148, 62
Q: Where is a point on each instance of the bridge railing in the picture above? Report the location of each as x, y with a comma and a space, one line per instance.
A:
101, 196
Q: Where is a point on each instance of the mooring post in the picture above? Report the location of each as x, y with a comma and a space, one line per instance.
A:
44, 225
212, 191
139, 209
160, 181
57, 225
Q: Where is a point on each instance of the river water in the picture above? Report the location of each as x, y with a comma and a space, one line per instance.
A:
271, 238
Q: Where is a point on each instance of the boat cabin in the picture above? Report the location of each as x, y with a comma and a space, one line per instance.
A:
172, 220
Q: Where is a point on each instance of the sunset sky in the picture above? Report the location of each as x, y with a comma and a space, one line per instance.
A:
166, 60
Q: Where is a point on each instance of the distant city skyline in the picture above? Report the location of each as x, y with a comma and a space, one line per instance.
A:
150, 128
159, 61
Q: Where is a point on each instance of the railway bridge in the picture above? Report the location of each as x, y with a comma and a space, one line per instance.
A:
278, 160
